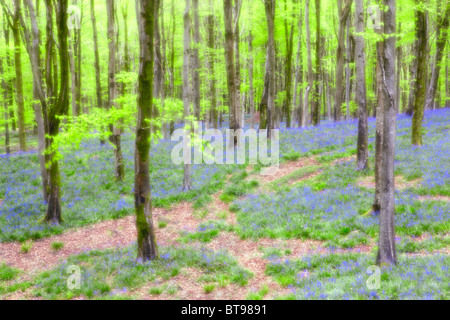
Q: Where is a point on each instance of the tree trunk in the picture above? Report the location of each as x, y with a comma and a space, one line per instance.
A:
379, 126
146, 240
289, 38
270, 16
119, 170
212, 81
240, 106
187, 91
316, 97
307, 104
413, 79
196, 62
441, 35
339, 92
59, 108
98, 84
19, 76
233, 101
386, 247
447, 85
347, 70
6, 100
420, 91
172, 62
361, 95
298, 92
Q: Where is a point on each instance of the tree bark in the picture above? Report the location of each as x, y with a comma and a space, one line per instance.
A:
379, 125
187, 91
441, 36
307, 104
270, 16
196, 62
289, 38
386, 246
119, 168
361, 95
212, 81
420, 91
233, 101
316, 97
339, 93
298, 92
6, 100
19, 76
98, 84
146, 239
60, 107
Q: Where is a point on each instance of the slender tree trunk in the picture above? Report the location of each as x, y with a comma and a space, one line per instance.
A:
347, 70
196, 62
240, 110
270, 16
146, 240
289, 38
263, 114
6, 100
172, 62
419, 99
19, 76
316, 98
307, 104
187, 91
413, 79
119, 170
441, 35
447, 84
98, 84
250, 79
379, 126
298, 92
386, 247
212, 81
339, 92
361, 95
10, 83
59, 108
399, 72
233, 101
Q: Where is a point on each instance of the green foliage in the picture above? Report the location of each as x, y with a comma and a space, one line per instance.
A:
7, 273
25, 247
56, 246
113, 272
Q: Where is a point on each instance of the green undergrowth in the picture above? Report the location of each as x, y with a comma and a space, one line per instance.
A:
111, 273
346, 276
206, 232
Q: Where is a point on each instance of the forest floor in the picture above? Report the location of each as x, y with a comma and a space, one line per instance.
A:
227, 247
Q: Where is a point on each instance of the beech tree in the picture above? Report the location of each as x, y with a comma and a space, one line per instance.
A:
316, 97
230, 62
361, 95
13, 19
387, 254
187, 91
146, 240
270, 65
441, 39
119, 167
344, 12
